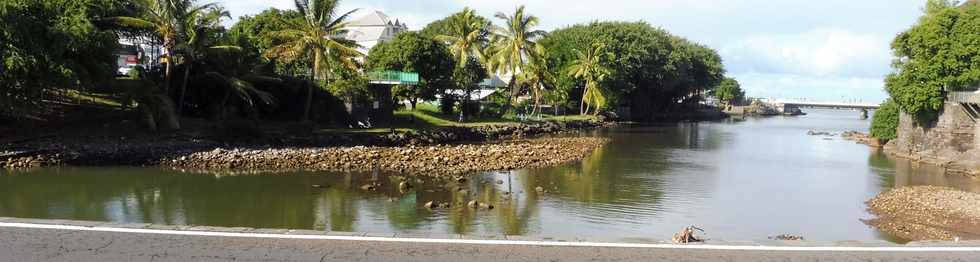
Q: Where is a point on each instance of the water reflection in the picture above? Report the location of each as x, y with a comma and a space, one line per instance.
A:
738, 179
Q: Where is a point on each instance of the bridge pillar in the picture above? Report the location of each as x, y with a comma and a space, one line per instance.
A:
864, 114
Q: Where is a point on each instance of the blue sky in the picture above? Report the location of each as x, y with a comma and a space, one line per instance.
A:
827, 50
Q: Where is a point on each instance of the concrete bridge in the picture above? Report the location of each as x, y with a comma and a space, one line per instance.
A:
831, 105
792, 107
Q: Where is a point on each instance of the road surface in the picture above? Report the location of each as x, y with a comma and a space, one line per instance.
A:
48, 244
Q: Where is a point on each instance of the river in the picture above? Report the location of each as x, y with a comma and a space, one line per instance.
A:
738, 179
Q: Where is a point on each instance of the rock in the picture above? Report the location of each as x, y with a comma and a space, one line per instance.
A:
786, 237
317, 186
687, 236
473, 204
430, 205
539, 189
404, 186
369, 187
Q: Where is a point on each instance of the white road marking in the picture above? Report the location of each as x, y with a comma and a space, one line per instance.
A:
495, 242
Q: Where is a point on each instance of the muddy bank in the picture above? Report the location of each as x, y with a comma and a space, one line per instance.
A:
927, 213
105, 147
413, 160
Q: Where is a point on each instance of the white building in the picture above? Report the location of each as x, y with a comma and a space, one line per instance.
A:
373, 28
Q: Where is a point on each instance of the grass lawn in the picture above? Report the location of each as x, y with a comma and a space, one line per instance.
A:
428, 116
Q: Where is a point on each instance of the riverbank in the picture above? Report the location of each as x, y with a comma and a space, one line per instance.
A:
927, 213
414, 160
118, 146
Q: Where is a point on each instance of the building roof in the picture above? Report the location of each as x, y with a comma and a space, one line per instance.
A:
373, 28
375, 18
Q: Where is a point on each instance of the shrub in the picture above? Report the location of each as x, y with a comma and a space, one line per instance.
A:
884, 126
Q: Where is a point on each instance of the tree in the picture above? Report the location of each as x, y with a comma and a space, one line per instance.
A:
467, 36
589, 68
938, 54
48, 45
465, 33
537, 76
414, 52
322, 36
253, 35
885, 123
200, 29
652, 72
511, 47
729, 91
169, 19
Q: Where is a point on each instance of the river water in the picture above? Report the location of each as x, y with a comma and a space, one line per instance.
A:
739, 179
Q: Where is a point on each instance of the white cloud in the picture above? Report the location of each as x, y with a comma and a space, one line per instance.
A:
813, 88
821, 52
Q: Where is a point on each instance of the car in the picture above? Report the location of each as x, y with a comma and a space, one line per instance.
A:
124, 70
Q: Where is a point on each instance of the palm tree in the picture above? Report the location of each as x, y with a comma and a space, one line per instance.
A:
513, 45
169, 19
466, 37
536, 76
589, 68
467, 40
322, 35
199, 28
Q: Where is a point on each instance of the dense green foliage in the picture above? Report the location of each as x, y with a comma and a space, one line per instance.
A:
653, 69
300, 63
52, 44
254, 35
414, 52
885, 123
589, 66
729, 91
940, 53
320, 37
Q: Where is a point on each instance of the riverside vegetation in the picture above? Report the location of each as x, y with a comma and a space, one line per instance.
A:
937, 55
291, 80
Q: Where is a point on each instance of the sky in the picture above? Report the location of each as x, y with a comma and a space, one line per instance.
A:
826, 50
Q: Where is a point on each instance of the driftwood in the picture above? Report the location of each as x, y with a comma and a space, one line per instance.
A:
687, 235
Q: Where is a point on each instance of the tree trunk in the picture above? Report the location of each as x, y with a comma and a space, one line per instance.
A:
183, 86
537, 101
510, 97
309, 90
581, 109
168, 46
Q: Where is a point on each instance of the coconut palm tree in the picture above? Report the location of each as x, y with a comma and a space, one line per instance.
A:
589, 67
320, 36
200, 28
169, 19
513, 45
466, 37
536, 76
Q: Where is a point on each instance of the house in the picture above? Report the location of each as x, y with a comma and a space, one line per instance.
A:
373, 28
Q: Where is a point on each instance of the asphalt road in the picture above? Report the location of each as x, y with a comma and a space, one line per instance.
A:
32, 244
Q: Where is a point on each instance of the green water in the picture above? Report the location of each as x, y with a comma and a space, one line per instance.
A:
737, 179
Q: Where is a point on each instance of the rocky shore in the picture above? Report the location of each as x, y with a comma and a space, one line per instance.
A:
413, 160
862, 138
927, 213
148, 149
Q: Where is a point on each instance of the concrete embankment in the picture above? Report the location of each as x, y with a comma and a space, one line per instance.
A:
927, 213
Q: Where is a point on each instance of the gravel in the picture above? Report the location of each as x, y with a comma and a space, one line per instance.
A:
927, 213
